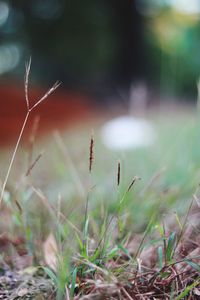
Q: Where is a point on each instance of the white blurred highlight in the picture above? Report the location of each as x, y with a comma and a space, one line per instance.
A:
186, 6
127, 132
9, 57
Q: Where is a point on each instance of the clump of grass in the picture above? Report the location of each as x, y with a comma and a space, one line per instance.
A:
112, 267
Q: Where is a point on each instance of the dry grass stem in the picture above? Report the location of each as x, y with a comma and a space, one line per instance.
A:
33, 164
13, 157
126, 294
91, 157
50, 91
118, 173
136, 178
52, 210
26, 81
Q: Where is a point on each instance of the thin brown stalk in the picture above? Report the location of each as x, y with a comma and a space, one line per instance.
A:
33, 164
91, 157
126, 293
51, 90
18, 206
136, 178
118, 173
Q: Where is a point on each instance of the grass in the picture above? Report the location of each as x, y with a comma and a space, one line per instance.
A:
97, 232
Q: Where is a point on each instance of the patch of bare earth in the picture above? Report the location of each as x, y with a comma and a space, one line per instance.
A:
15, 286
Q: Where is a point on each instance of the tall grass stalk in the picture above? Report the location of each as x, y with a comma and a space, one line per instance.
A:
28, 113
86, 218
117, 209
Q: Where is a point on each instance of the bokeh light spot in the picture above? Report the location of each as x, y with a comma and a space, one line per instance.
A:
47, 9
9, 57
4, 12
186, 6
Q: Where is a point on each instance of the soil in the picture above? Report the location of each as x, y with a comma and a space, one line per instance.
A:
15, 286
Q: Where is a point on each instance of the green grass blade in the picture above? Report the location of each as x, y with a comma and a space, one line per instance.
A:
112, 253
193, 265
160, 256
73, 284
170, 246
51, 275
186, 291
125, 251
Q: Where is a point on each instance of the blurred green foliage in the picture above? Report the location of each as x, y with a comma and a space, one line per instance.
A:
103, 43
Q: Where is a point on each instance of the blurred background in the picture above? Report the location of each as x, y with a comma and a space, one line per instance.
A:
102, 51
129, 71
103, 45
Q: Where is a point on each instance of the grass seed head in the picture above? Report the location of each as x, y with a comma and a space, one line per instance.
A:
91, 157
118, 173
135, 178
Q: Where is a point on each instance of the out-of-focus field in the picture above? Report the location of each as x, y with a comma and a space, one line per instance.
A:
170, 169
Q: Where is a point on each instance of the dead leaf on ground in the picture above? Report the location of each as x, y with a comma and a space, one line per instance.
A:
22, 292
50, 249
